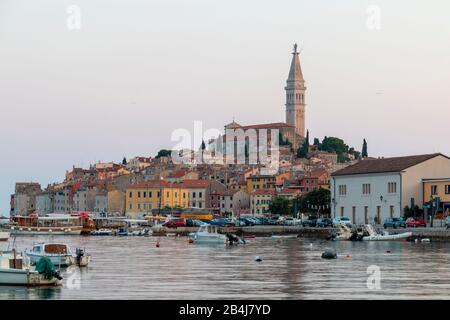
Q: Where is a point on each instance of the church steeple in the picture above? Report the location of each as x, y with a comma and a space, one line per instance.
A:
295, 95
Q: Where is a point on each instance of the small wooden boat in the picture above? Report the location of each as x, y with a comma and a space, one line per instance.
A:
15, 271
4, 236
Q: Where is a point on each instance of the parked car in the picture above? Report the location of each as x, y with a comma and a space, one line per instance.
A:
222, 222
194, 223
245, 222
311, 221
414, 223
394, 223
174, 223
342, 221
273, 221
324, 222
447, 222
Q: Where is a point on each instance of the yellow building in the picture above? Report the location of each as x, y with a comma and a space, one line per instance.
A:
260, 182
437, 188
142, 198
260, 200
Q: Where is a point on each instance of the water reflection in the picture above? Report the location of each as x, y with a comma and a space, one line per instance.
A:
134, 268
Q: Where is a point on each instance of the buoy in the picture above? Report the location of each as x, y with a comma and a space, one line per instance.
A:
310, 244
426, 240
258, 259
157, 244
348, 256
191, 241
388, 251
329, 254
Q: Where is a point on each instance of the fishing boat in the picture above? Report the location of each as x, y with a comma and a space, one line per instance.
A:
4, 236
14, 270
209, 234
102, 232
57, 224
372, 235
59, 254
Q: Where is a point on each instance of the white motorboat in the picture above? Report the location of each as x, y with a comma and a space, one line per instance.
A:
14, 270
374, 236
290, 236
102, 232
4, 236
343, 233
209, 234
59, 254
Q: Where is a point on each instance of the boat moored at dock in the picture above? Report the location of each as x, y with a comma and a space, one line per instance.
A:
59, 254
62, 224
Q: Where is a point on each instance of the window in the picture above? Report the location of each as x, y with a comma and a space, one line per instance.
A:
200, 205
366, 188
184, 195
342, 190
342, 211
176, 194
392, 187
199, 194
139, 194
168, 194
193, 194
145, 194
391, 211
131, 206
149, 194
447, 189
131, 195
434, 190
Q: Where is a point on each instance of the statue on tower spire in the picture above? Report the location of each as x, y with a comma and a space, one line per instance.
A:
295, 48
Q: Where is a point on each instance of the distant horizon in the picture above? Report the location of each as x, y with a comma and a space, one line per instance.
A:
135, 72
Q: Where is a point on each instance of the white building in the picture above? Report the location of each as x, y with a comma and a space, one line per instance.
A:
375, 189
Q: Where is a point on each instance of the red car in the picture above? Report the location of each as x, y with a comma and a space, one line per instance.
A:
175, 223
414, 223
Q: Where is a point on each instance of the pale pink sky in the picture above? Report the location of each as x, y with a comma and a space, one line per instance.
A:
137, 70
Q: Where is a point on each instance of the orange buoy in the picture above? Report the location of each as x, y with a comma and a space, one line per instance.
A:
157, 244
348, 256
191, 241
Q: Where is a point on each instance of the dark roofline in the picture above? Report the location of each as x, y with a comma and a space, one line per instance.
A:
430, 156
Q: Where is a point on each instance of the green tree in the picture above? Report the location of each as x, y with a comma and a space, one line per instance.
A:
312, 201
364, 153
281, 206
316, 142
163, 153
303, 150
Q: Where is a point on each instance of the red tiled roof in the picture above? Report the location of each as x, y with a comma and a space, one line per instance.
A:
151, 184
289, 191
395, 164
196, 183
264, 192
273, 125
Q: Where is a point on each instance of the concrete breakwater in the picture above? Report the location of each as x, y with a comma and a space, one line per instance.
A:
259, 231
434, 234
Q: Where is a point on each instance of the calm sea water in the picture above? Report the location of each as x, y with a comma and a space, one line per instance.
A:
134, 268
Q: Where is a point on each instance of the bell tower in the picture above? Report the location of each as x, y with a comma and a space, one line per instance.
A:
295, 95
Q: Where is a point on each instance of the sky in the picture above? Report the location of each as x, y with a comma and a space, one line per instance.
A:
120, 79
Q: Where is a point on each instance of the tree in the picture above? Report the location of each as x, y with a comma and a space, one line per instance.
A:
203, 147
281, 206
314, 201
163, 153
316, 142
303, 150
364, 149
124, 161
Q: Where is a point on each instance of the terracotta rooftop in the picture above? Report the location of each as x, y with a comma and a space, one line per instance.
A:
264, 192
195, 183
396, 164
